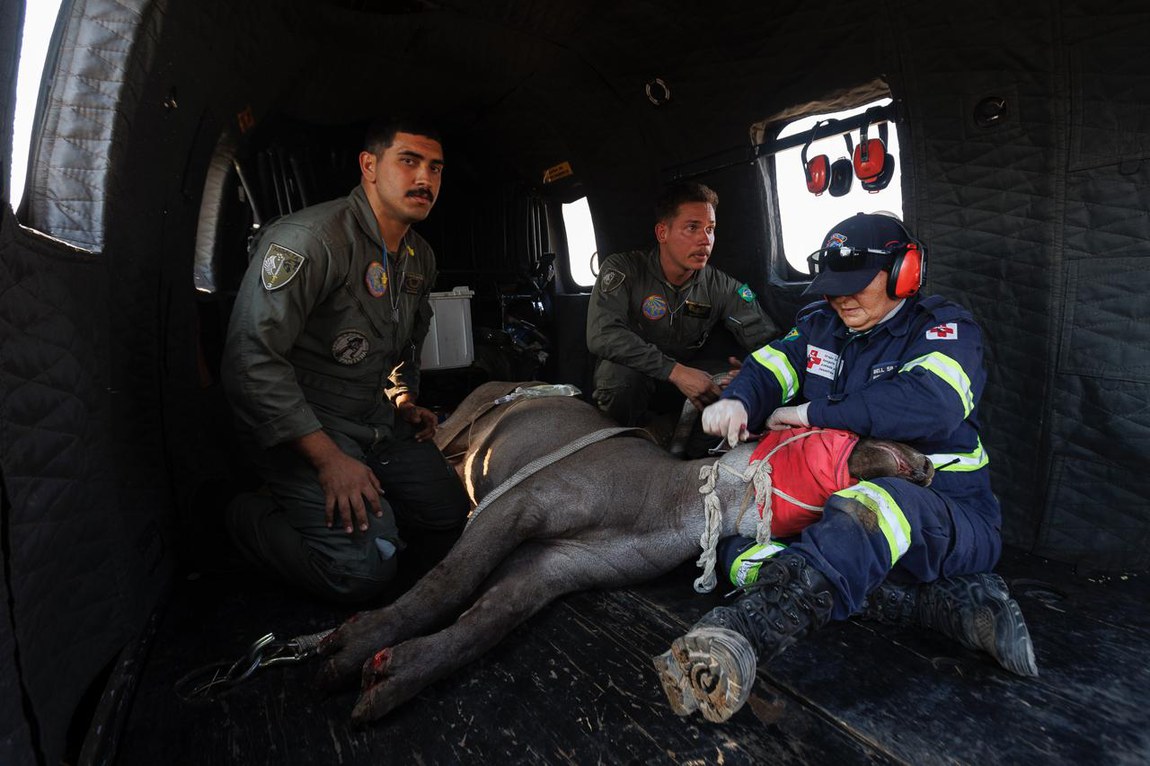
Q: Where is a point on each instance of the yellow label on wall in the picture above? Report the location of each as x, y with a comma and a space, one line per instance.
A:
554, 173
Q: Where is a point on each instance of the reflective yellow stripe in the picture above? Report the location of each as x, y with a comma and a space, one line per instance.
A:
891, 520
961, 461
779, 366
745, 568
951, 372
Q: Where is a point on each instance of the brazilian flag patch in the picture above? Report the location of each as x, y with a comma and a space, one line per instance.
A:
746, 293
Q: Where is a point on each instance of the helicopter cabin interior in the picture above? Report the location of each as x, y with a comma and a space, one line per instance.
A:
165, 133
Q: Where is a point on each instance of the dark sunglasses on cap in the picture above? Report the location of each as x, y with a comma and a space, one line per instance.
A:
846, 258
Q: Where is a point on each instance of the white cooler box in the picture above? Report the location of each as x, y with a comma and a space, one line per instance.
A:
449, 342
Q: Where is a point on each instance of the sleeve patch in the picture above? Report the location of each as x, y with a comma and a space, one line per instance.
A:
610, 280
280, 266
944, 331
794, 333
746, 293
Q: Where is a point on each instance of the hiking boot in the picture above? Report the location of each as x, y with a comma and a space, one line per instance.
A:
712, 668
974, 610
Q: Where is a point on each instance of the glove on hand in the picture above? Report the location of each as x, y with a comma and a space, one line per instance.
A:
726, 417
789, 417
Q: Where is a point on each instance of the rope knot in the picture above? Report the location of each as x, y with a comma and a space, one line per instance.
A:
757, 474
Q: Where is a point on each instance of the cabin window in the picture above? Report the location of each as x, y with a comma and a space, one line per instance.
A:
581, 248
39, 22
805, 217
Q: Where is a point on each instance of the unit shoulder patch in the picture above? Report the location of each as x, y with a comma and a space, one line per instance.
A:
944, 331
280, 266
794, 333
746, 293
610, 280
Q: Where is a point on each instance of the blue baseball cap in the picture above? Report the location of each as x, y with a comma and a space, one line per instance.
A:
854, 252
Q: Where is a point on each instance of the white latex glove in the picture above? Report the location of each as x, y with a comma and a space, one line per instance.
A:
789, 417
726, 417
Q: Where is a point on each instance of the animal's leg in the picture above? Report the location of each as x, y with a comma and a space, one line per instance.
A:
535, 575
439, 595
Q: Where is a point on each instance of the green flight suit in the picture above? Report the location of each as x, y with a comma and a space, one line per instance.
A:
640, 325
326, 333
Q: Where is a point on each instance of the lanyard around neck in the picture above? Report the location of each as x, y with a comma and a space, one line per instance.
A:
393, 293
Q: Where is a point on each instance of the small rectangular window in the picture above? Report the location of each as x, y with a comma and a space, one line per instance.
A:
806, 218
581, 247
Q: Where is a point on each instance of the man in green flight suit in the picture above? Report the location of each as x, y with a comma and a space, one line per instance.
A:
321, 367
652, 311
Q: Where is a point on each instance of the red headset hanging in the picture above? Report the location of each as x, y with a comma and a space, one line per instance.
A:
817, 170
873, 164
823, 175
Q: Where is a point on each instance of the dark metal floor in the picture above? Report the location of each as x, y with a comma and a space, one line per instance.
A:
575, 685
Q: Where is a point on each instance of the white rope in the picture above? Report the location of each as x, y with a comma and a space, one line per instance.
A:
757, 473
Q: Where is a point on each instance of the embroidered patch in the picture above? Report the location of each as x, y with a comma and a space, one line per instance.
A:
746, 293
412, 283
835, 240
350, 347
794, 333
376, 279
882, 370
280, 266
611, 279
946, 331
654, 307
821, 362
697, 310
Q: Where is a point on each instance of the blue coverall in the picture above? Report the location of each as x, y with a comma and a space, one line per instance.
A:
916, 378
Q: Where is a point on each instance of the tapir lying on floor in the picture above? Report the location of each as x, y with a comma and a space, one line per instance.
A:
616, 512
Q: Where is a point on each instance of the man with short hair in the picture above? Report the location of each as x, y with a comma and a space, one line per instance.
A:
652, 311
322, 369
877, 359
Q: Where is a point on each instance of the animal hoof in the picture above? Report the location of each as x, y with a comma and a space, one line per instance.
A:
711, 670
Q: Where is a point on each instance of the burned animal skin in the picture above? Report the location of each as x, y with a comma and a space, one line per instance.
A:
574, 525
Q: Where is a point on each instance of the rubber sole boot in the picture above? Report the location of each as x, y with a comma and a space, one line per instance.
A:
712, 668
974, 610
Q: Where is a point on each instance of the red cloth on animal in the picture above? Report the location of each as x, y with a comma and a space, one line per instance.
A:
809, 469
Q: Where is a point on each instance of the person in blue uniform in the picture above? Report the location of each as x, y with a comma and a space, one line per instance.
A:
876, 358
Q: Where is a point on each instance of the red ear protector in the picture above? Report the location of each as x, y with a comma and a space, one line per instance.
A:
873, 164
882, 180
904, 260
870, 154
818, 170
908, 271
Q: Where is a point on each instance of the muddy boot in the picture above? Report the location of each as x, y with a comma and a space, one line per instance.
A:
712, 668
974, 610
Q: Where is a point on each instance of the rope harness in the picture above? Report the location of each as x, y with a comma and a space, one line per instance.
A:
552, 457
757, 477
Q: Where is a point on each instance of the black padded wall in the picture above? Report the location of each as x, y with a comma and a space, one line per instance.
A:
1097, 496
